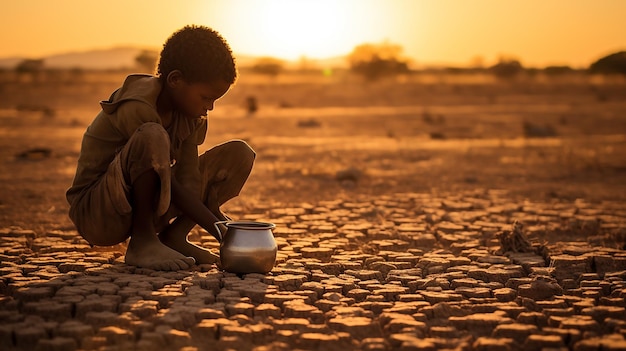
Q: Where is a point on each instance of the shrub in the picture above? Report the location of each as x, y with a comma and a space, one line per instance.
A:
374, 61
507, 68
610, 64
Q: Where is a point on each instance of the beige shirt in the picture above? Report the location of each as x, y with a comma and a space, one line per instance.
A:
128, 108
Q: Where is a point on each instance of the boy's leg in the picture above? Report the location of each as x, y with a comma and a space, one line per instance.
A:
146, 162
224, 170
126, 200
175, 234
144, 248
103, 215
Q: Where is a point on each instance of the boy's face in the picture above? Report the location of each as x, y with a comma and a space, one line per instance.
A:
196, 99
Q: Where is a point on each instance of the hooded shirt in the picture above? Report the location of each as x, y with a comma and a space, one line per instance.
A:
128, 108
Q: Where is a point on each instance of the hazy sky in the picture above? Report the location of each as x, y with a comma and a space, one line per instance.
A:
537, 32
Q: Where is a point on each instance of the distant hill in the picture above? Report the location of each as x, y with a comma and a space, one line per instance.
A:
9, 62
124, 57
118, 57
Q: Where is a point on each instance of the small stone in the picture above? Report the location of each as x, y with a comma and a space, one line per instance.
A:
468, 292
26, 338
569, 266
358, 294
448, 227
541, 288
50, 310
152, 341
116, 335
267, 310
94, 303
505, 294
391, 293
402, 341
326, 305
569, 336
446, 332
405, 323
206, 331
600, 313
233, 343
493, 259
319, 341
298, 309
481, 324
365, 274
177, 339
101, 319
434, 297
28, 294
240, 308
374, 344
291, 324
75, 329
539, 342
492, 344
607, 342
289, 282
57, 344
278, 299
516, 331
495, 274
93, 342
357, 327
321, 253
582, 323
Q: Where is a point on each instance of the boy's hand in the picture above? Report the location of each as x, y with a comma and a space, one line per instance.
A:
191, 206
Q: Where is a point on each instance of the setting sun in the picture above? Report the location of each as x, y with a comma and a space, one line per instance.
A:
454, 32
293, 29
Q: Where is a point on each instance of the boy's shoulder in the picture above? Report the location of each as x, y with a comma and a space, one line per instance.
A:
142, 89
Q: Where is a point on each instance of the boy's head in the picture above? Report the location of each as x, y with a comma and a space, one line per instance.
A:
200, 54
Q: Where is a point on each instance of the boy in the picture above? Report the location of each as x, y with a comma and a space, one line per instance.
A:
139, 174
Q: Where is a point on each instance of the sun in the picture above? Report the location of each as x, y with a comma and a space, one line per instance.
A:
292, 29
304, 28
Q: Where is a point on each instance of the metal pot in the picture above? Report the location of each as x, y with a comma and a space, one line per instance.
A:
247, 247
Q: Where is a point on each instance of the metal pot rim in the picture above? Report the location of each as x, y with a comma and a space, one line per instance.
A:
250, 225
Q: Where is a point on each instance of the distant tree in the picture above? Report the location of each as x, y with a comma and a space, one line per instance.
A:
507, 68
374, 61
268, 65
30, 70
147, 60
557, 70
611, 64
30, 66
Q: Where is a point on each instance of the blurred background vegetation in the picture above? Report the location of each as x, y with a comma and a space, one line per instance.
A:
370, 61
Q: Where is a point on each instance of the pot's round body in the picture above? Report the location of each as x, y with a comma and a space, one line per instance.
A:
248, 247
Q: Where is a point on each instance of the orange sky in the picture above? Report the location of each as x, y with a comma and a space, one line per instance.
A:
538, 32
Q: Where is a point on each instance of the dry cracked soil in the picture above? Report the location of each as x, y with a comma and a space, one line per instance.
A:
441, 214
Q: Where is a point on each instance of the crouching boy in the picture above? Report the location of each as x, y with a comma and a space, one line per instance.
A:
139, 174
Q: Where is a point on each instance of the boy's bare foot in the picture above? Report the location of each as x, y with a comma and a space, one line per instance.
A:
202, 255
152, 254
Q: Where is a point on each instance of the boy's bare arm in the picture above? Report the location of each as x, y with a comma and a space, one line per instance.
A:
191, 206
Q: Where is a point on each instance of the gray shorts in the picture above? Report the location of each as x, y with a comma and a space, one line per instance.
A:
103, 214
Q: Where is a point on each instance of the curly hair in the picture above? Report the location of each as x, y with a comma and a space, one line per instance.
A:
200, 53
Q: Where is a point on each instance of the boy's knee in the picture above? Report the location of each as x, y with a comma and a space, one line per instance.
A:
241, 149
